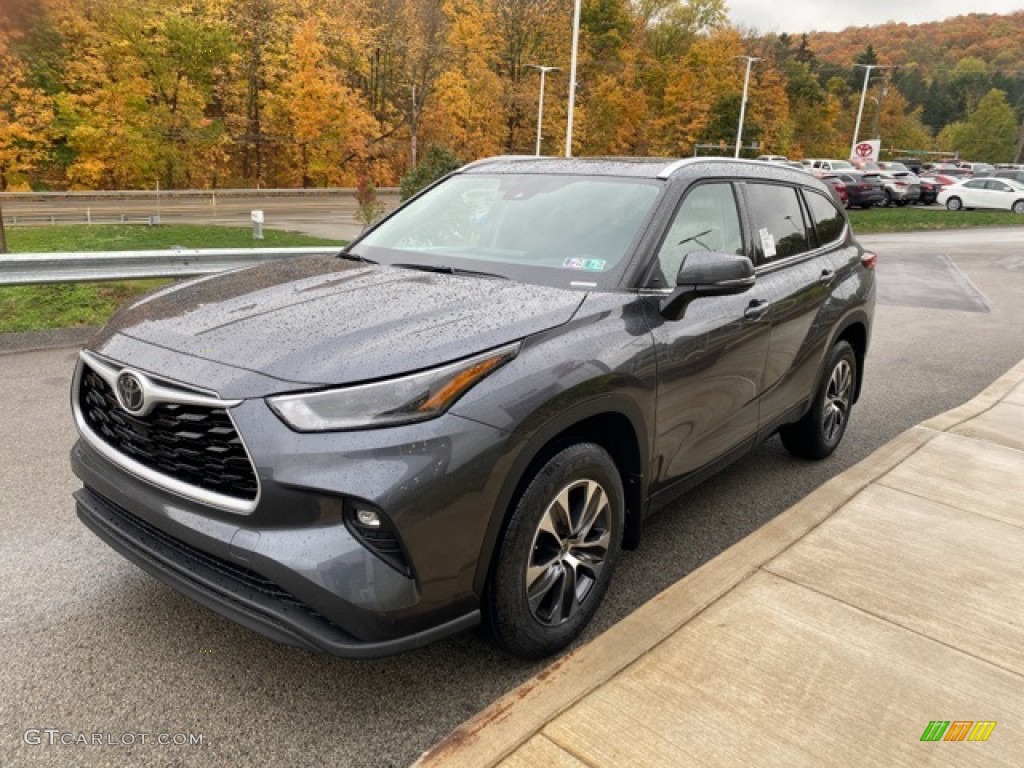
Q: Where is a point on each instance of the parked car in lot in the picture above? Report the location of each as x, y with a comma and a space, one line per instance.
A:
1002, 194
863, 190
1016, 175
891, 166
977, 169
864, 164
838, 187
830, 165
912, 164
929, 190
945, 169
901, 187
773, 158
466, 415
942, 179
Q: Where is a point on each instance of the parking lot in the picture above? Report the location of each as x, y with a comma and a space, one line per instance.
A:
95, 646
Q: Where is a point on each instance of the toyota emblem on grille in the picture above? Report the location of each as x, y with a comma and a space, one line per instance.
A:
130, 393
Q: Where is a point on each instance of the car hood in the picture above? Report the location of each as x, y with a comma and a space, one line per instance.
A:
323, 321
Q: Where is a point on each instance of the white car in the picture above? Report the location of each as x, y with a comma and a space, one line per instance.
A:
829, 165
1003, 194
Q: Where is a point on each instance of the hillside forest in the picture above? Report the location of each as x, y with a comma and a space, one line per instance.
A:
132, 94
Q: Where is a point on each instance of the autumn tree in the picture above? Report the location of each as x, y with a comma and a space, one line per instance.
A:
466, 108
709, 69
323, 124
990, 132
26, 115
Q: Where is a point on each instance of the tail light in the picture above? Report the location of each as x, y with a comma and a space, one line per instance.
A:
869, 259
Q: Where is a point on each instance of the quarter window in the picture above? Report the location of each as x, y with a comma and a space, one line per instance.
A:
707, 220
828, 221
779, 227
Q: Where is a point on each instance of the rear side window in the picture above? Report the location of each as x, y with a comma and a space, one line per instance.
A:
779, 228
828, 221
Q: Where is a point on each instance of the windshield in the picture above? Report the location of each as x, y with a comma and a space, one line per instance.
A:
566, 231
841, 165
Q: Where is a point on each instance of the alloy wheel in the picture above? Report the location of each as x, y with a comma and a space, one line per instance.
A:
569, 550
837, 400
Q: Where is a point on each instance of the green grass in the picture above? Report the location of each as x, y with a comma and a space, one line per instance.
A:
68, 305
103, 237
911, 219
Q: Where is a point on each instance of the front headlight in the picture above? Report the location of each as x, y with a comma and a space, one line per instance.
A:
416, 397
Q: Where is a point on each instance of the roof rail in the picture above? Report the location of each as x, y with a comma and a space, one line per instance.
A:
495, 159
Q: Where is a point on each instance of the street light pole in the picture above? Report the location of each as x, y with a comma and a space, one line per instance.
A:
743, 104
572, 76
540, 99
863, 94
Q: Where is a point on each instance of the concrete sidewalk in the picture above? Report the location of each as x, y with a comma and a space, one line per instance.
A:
891, 597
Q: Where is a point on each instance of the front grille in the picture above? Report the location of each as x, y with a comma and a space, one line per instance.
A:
194, 444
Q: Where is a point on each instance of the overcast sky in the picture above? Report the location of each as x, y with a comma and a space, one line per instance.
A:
833, 15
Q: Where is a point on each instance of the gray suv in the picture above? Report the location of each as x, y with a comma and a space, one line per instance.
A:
465, 416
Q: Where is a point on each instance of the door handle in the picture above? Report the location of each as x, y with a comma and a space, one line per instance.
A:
826, 276
755, 309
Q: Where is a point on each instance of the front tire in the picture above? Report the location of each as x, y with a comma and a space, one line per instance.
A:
557, 554
954, 204
1018, 207
821, 429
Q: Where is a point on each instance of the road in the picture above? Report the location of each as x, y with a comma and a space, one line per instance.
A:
94, 645
322, 214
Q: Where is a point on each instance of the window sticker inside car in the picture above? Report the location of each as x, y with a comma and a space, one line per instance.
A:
590, 265
767, 243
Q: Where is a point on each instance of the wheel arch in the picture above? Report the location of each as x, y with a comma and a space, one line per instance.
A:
617, 425
854, 331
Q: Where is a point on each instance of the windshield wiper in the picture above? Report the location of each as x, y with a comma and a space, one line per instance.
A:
355, 257
697, 238
449, 270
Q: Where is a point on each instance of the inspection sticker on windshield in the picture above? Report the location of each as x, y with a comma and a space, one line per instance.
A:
590, 265
767, 243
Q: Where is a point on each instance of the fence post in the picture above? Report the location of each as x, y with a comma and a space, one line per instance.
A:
3, 235
257, 225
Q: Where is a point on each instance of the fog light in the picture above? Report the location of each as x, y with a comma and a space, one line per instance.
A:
368, 518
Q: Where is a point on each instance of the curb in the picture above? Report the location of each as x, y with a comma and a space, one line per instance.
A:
500, 729
32, 341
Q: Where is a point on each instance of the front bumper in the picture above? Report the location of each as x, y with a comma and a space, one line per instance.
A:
291, 568
236, 592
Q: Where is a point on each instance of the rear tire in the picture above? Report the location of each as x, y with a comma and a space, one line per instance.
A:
1018, 207
556, 556
954, 204
821, 429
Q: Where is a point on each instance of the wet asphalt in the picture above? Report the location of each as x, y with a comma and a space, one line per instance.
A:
95, 650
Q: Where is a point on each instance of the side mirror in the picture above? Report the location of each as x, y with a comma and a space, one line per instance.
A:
707, 273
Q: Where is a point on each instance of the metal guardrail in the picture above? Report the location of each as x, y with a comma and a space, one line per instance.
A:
42, 268
169, 194
27, 220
